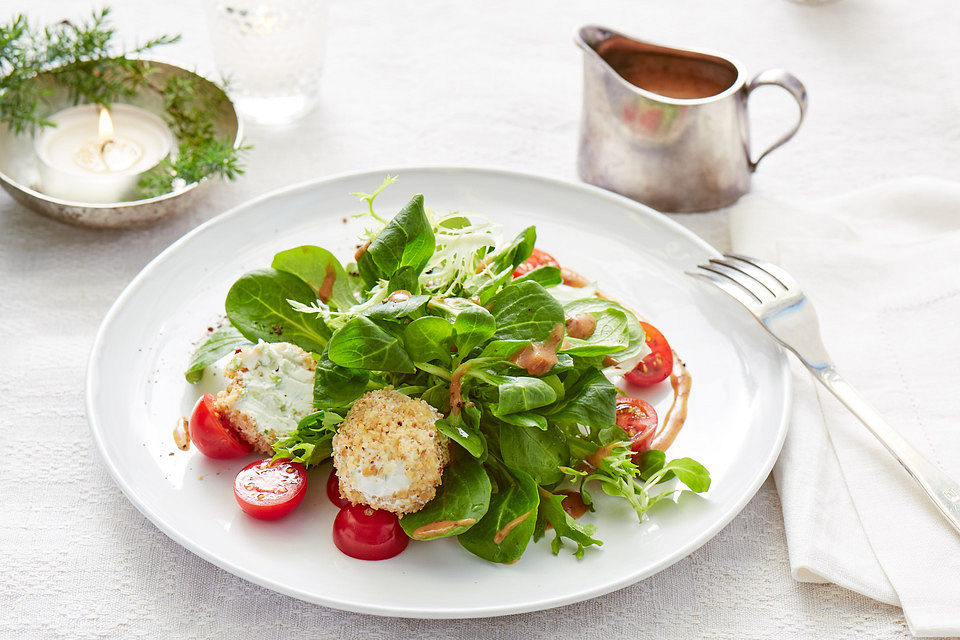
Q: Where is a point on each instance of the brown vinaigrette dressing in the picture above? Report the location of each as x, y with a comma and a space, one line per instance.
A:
666, 74
456, 398
400, 295
539, 357
326, 287
361, 250
581, 326
595, 459
440, 527
501, 535
573, 279
573, 503
181, 434
681, 381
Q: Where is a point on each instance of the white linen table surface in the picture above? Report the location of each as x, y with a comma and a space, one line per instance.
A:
491, 83
879, 264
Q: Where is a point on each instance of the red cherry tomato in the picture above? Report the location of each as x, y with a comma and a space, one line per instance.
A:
639, 419
659, 362
268, 490
212, 437
333, 491
537, 259
366, 533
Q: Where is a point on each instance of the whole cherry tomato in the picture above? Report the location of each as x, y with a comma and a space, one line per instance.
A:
537, 259
659, 362
212, 437
333, 491
268, 489
366, 533
639, 419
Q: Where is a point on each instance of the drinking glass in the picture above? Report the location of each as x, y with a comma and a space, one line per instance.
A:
270, 53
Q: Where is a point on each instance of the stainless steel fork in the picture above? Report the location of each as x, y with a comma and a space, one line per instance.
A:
775, 299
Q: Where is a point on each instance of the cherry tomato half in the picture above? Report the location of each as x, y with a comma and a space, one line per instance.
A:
212, 437
639, 419
366, 533
268, 489
659, 362
537, 259
333, 491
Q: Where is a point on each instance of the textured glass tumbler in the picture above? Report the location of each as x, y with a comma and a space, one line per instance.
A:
270, 53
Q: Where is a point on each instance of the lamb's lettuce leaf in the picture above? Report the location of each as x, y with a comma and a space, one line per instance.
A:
540, 453
525, 311
428, 338
362, 344
258, 306
461, 501
503, 533
611, 335
406, 241
590, 400
321, 270
335, 386
222, 341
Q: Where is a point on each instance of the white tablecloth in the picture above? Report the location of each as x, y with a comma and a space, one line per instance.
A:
491, 83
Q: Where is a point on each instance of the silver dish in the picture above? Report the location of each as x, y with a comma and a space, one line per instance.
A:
674, 154
19, 173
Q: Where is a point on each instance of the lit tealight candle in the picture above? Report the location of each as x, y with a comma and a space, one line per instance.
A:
97, 155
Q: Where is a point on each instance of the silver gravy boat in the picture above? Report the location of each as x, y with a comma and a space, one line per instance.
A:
689, 152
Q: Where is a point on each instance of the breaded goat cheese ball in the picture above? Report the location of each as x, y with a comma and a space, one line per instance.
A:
388, 453
270, 389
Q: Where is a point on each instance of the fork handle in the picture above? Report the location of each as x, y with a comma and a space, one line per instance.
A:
941, 488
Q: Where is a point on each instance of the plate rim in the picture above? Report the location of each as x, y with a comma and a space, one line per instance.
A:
93, 368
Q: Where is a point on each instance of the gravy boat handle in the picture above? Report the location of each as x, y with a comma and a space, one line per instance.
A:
785, 80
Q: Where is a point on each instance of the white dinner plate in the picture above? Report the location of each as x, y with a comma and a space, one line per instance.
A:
136, 393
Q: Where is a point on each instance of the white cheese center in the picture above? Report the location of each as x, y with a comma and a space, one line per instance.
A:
385, 484
277, 388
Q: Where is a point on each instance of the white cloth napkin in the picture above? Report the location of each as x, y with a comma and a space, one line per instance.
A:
882, 267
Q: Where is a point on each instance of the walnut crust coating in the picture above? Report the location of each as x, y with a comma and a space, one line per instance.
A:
383, 431
245, 425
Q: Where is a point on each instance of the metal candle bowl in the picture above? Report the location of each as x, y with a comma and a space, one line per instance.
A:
20, 175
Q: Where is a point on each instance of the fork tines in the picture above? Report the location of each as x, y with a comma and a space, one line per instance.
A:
752, 282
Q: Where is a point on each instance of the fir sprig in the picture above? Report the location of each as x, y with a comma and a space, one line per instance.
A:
82, 58
200, 152
77, 56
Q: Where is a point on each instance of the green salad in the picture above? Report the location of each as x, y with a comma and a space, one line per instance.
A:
435, 308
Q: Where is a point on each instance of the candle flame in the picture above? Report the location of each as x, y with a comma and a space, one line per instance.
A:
106, 125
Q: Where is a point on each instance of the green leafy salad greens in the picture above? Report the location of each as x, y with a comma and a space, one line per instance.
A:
432, 309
